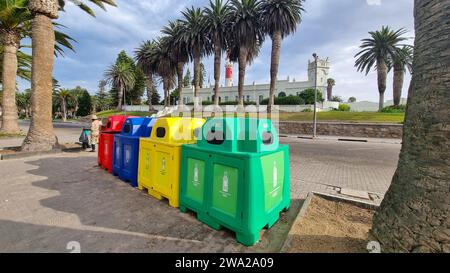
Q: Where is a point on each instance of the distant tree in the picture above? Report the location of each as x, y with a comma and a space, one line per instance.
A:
202, 76
352, 99
336, 99
84, 104
308, 96
102, 97
63, 96
187, 79
156, 97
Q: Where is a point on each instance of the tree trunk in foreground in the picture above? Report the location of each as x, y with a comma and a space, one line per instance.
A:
10, 42
41, 136
414, 215
150, 92
276, 51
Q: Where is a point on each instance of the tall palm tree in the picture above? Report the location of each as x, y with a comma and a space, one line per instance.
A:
64, 96
217, 26
402, 60
15, 24
197, 42
330, 84
165, 67
41, 136
178, 50
121, 77
414, 215
143, 56
280, 18
247, 37
376, 52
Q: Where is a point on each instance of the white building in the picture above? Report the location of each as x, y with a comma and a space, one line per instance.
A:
259, 92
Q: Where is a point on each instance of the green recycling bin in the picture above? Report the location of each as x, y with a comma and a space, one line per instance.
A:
236, 176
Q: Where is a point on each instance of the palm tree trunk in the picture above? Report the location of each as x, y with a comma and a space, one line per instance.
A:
9, 119
180, 68
166, 92
329, 92
276, 51
217, 64
41, 136
414, 215
150, 92
120, 97
243, 53
63, 102
197, 71
382, 75
399, 75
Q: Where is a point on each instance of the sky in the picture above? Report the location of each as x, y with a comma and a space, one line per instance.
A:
330, 28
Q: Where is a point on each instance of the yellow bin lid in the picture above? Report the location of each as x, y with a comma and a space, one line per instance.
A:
176, 130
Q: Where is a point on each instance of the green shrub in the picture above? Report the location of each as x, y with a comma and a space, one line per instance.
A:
289, 100
308, 110
308, 96
394, 109
344, 108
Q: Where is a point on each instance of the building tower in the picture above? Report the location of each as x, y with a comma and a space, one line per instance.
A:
228, 74
323, 70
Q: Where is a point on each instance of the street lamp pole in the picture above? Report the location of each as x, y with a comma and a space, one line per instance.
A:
315, 96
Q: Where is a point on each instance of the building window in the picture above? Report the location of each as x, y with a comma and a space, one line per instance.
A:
226, 98
261, 98
282, 94
237, 98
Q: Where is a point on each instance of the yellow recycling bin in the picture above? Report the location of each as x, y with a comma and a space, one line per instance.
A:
159, 157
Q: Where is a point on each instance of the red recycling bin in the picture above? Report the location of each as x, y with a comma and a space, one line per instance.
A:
105, 144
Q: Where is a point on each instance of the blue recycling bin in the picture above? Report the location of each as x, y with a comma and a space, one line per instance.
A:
126, 148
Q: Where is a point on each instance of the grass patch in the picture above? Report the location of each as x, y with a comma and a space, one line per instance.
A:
333, 116
336, 116
3, 135
109, 113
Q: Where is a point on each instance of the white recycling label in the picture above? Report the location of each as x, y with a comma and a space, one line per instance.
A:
196, 172
275, 175
225, 182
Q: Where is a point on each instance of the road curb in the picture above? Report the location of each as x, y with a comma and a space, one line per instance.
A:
20, 155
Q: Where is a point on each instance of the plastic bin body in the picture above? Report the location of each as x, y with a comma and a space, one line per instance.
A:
126, 148
159, 157
241, 183
105, 145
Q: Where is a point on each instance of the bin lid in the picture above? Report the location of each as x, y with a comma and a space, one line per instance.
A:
137, 127
239, 135
176, 130
114, 124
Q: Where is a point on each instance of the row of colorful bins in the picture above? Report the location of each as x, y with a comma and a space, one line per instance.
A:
112, 127
231, 172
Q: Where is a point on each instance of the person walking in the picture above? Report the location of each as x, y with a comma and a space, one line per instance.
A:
95, 131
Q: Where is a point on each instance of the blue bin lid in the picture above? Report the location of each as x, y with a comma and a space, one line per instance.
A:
138, 127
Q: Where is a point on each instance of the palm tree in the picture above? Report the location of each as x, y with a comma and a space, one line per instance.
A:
41, 136
217, 26
279, 19
331, 83
197, 42
64, 96
165, 67
121, 77
376, 51
402, 60
414, 215
178, 51
143, 57
247, 37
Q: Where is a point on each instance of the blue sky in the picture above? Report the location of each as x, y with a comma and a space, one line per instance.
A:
331, 28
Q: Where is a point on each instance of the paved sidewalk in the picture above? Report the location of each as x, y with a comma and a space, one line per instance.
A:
46, 202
